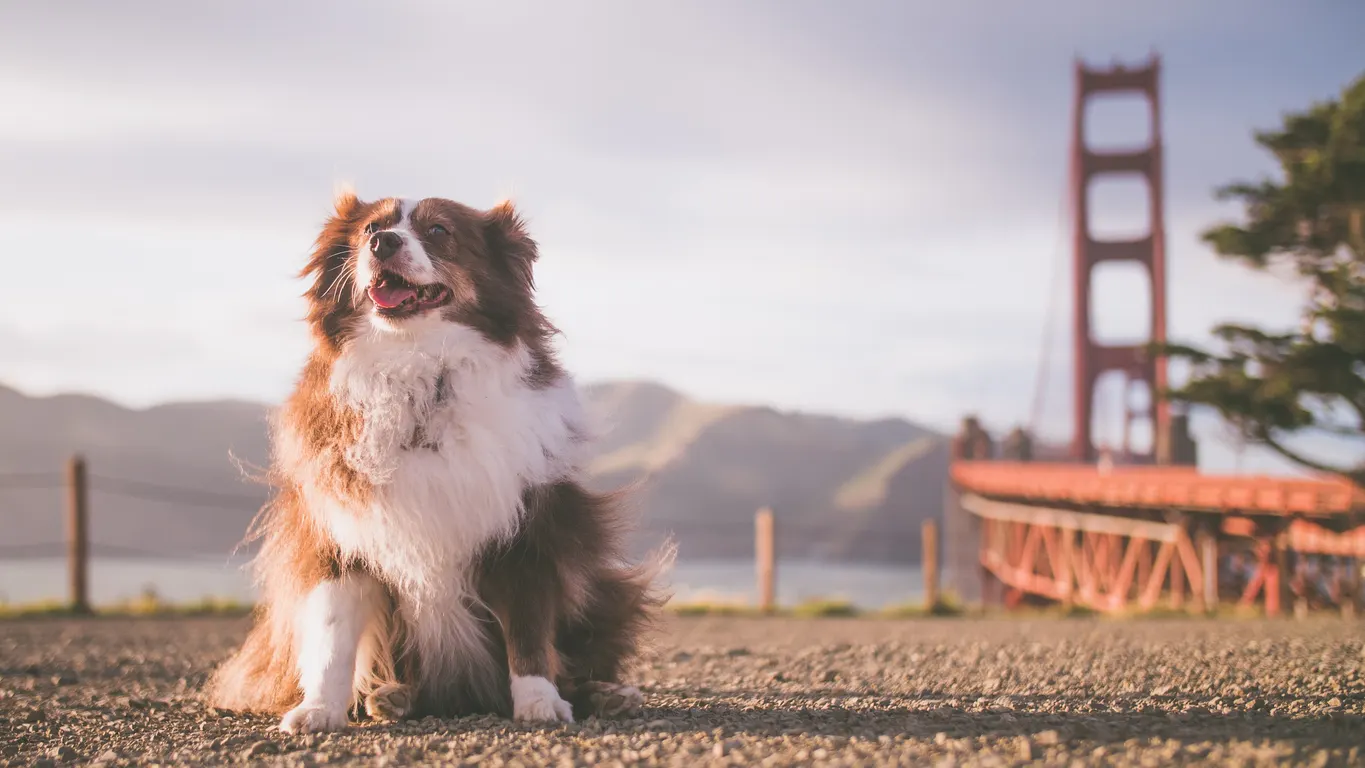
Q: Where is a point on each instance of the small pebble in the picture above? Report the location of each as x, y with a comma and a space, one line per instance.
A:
260, 749
1048, 738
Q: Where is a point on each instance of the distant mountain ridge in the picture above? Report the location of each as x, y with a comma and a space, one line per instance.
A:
164, 482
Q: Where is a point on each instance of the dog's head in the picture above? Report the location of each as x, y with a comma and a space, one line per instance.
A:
399, 265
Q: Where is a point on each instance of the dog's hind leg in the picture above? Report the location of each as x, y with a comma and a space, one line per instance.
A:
605, 700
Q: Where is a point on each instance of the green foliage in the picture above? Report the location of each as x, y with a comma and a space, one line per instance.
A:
824, 607
147, 604
702, 608
948, 604
1273, 385
1051, 611
36, 608
150, 604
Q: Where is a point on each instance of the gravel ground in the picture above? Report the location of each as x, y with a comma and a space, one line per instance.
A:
755, 692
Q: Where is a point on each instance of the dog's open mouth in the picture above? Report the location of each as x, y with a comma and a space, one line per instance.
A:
395, 297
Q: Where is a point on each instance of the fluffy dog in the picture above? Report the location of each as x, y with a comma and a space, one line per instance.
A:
431, 548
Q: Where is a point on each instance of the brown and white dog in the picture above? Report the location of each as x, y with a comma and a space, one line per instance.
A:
431, 549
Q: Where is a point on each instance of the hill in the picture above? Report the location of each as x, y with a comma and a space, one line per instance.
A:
164, 481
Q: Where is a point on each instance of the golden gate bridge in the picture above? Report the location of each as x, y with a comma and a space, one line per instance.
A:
1139, 525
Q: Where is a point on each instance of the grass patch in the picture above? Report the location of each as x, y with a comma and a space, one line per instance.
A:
1238, 611
1152, 614
1056, 611
1221, 611
712, 608
944, 608
36, 608
151, 605
148, 604
947, 605
808, 609
1072, 611
820, 607
1160, 612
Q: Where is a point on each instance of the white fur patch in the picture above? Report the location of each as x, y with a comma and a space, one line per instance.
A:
419, 261
536, 699
330, 624
434, 510
411, 261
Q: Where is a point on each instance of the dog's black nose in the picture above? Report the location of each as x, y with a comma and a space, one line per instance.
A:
385, 244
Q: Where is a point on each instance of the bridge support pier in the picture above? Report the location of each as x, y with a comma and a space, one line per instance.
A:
1270, 581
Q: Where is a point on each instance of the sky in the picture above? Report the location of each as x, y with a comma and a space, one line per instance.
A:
846, 207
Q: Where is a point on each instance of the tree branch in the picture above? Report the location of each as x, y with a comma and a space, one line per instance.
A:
1354, 475
1275, 384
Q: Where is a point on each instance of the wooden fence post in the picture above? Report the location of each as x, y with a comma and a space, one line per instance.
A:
765, 557
1208, 550
77, 536
1177, 577
929, 563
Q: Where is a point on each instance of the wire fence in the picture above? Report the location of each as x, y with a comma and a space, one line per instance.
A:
724, 539
136, 489
139, 490
183, 496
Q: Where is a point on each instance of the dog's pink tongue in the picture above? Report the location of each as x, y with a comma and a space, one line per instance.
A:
389, 296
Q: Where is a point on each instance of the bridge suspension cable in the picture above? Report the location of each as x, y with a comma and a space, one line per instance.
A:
1059, 254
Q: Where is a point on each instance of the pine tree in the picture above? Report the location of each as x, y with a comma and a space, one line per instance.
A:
1273, 385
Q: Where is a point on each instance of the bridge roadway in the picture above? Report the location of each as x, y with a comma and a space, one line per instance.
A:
1124, 538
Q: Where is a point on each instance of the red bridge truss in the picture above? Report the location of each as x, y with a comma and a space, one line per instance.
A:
1132, 537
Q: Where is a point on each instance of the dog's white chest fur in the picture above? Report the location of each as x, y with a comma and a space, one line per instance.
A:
452, 436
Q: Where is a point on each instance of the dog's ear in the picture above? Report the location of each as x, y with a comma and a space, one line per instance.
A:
344, 200
332, 245
330, 292
508, 242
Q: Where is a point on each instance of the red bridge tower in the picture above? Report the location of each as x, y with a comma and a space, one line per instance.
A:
1093, 359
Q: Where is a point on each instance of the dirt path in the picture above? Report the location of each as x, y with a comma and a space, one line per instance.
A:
746, 691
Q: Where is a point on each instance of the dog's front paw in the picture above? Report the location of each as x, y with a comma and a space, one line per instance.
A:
392, 701
311, 718
535, 699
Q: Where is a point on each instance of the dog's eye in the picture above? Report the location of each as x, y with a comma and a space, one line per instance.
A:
371, 227
436, 229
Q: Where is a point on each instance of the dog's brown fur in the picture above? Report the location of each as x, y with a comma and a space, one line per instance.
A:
562, 606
